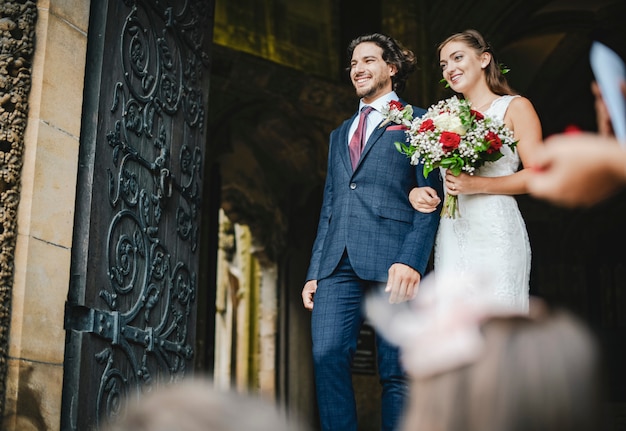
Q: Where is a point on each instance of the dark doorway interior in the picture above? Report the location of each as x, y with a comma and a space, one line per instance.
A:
270, 120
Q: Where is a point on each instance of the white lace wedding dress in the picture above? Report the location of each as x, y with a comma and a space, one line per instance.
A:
489, 236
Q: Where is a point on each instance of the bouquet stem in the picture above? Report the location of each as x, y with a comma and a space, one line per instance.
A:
450, 207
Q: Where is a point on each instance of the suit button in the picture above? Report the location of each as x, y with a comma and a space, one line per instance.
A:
352, 186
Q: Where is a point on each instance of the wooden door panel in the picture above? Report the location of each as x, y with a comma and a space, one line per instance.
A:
131, 311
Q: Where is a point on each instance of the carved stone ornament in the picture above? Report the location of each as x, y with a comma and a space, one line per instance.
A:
17, 36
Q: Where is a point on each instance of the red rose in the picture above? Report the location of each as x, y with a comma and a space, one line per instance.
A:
495, 143
394, 104
427, 125
449, 141
477, 115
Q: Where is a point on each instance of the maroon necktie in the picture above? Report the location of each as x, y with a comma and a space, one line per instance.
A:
357, 141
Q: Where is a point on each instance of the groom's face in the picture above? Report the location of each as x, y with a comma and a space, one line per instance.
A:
370, 74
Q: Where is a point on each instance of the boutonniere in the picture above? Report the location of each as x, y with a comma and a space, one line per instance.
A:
398, 113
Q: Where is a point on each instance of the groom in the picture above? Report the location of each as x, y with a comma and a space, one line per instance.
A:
368, 236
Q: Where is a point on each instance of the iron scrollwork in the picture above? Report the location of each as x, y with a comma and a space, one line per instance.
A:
158, 118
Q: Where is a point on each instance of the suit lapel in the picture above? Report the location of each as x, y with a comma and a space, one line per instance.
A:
343, 142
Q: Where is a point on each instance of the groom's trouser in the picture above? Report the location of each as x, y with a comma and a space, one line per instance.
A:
335, 325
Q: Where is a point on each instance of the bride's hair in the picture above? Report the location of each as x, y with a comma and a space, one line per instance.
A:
473, 39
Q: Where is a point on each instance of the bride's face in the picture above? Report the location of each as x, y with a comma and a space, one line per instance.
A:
461, 67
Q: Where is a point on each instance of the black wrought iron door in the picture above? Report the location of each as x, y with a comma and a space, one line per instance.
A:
131, 311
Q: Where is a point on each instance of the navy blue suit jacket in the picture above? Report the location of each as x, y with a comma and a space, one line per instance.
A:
367, 212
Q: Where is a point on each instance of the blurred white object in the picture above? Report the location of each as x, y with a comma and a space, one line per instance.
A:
610, 71
440, 329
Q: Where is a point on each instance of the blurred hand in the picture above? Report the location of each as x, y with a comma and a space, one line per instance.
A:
578, 170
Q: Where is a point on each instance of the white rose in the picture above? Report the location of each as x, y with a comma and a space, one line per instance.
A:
449, 123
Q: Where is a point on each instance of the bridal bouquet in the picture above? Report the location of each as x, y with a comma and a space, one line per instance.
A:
450, 135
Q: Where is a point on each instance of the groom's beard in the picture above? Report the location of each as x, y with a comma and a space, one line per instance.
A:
378, 85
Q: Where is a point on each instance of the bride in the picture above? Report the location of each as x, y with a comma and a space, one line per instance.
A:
489, 237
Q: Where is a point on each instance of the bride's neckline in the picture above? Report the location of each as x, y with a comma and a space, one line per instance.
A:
485, 106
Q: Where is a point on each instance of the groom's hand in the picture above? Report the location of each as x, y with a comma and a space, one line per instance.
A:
402, 283
307, 294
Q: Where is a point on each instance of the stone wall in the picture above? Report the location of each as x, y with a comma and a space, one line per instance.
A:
17, 32
45, 215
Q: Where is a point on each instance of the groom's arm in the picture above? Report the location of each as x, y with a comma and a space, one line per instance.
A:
405, 275
322, 225
418, 244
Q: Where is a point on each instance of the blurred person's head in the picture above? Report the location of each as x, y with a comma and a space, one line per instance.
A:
534, 373
478, 364
196, 405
